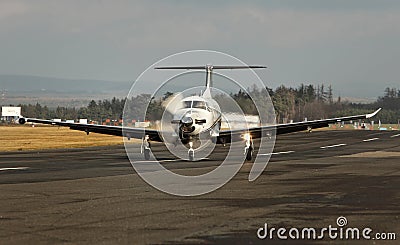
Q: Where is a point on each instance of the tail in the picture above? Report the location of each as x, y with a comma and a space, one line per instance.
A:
208, 69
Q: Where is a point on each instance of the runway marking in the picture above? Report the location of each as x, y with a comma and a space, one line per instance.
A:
276, 153
374, 154
331, 146
16, 168
396, 135
372, 139
155, 161
166, 160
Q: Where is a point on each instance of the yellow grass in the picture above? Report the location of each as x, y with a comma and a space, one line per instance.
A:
26, 137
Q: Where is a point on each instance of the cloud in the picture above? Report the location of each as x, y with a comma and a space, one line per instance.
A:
11, 9
295, 28
148, 24
115, 39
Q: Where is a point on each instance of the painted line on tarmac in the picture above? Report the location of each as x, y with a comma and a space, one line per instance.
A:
15, 168
276, 153
332, 146
155, 161
372, 139
396, 135
166, 160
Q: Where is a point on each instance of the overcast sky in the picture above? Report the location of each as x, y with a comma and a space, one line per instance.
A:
353, 45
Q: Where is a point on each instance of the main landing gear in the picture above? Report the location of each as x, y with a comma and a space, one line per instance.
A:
249, 147
145, 149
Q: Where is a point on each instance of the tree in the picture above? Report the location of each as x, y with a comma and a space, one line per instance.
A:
330, 94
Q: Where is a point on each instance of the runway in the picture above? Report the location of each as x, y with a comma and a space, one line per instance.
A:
93, 195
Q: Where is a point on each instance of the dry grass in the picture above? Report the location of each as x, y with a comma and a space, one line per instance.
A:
22, 138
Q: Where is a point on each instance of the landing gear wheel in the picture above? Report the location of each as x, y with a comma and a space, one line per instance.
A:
191, 152
146, 147
191, 155
248, 149
249, 153
146, 153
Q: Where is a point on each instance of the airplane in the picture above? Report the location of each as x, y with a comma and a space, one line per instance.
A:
200, 115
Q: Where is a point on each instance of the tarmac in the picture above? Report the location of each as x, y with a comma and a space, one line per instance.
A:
93, 195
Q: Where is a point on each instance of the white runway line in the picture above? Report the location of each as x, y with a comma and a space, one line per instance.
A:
282, 152
155, 161
276, 153
396, 135
331, 146
166, 160
16, 168
372, 139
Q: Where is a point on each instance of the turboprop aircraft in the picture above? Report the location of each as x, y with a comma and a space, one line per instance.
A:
198, 116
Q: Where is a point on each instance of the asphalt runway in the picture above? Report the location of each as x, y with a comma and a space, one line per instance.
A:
93, 195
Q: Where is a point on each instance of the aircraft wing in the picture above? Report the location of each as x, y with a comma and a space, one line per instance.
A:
227, 136
137, 133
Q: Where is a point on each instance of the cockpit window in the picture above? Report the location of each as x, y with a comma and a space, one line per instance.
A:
199, 104
195, 104
187, 104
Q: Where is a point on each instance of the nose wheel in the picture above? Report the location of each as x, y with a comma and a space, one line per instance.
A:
191, 152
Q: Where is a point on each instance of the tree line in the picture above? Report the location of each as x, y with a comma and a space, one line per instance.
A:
309, 102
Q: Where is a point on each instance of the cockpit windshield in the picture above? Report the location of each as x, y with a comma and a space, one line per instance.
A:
199, 104
195, 104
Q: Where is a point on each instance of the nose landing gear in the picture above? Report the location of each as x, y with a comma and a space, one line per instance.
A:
191, 152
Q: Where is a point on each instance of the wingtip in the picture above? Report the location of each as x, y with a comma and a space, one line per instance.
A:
374, 113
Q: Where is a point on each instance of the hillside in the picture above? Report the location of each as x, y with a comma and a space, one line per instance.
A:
53, 92
21, 84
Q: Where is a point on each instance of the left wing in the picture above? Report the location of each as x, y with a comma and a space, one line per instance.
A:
227, 136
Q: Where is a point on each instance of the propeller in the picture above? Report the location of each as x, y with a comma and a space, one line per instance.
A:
173, 103
186, 124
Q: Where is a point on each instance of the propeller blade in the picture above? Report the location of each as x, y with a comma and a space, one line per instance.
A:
173, 103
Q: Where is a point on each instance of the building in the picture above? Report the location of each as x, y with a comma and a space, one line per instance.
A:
10, 113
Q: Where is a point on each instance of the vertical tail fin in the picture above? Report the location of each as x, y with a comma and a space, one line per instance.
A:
207, 91
208, 69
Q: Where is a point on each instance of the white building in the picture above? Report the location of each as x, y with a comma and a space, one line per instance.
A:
10, 113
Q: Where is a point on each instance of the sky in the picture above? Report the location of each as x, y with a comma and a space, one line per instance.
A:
352, 45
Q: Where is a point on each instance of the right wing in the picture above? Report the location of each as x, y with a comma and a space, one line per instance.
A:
137, 133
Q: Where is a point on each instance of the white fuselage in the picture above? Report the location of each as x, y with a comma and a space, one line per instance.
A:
198, 115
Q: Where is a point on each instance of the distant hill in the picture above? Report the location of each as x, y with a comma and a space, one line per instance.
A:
53, 92
23, 89
18, 83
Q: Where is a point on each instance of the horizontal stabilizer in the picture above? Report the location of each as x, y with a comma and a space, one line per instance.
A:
208, 67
